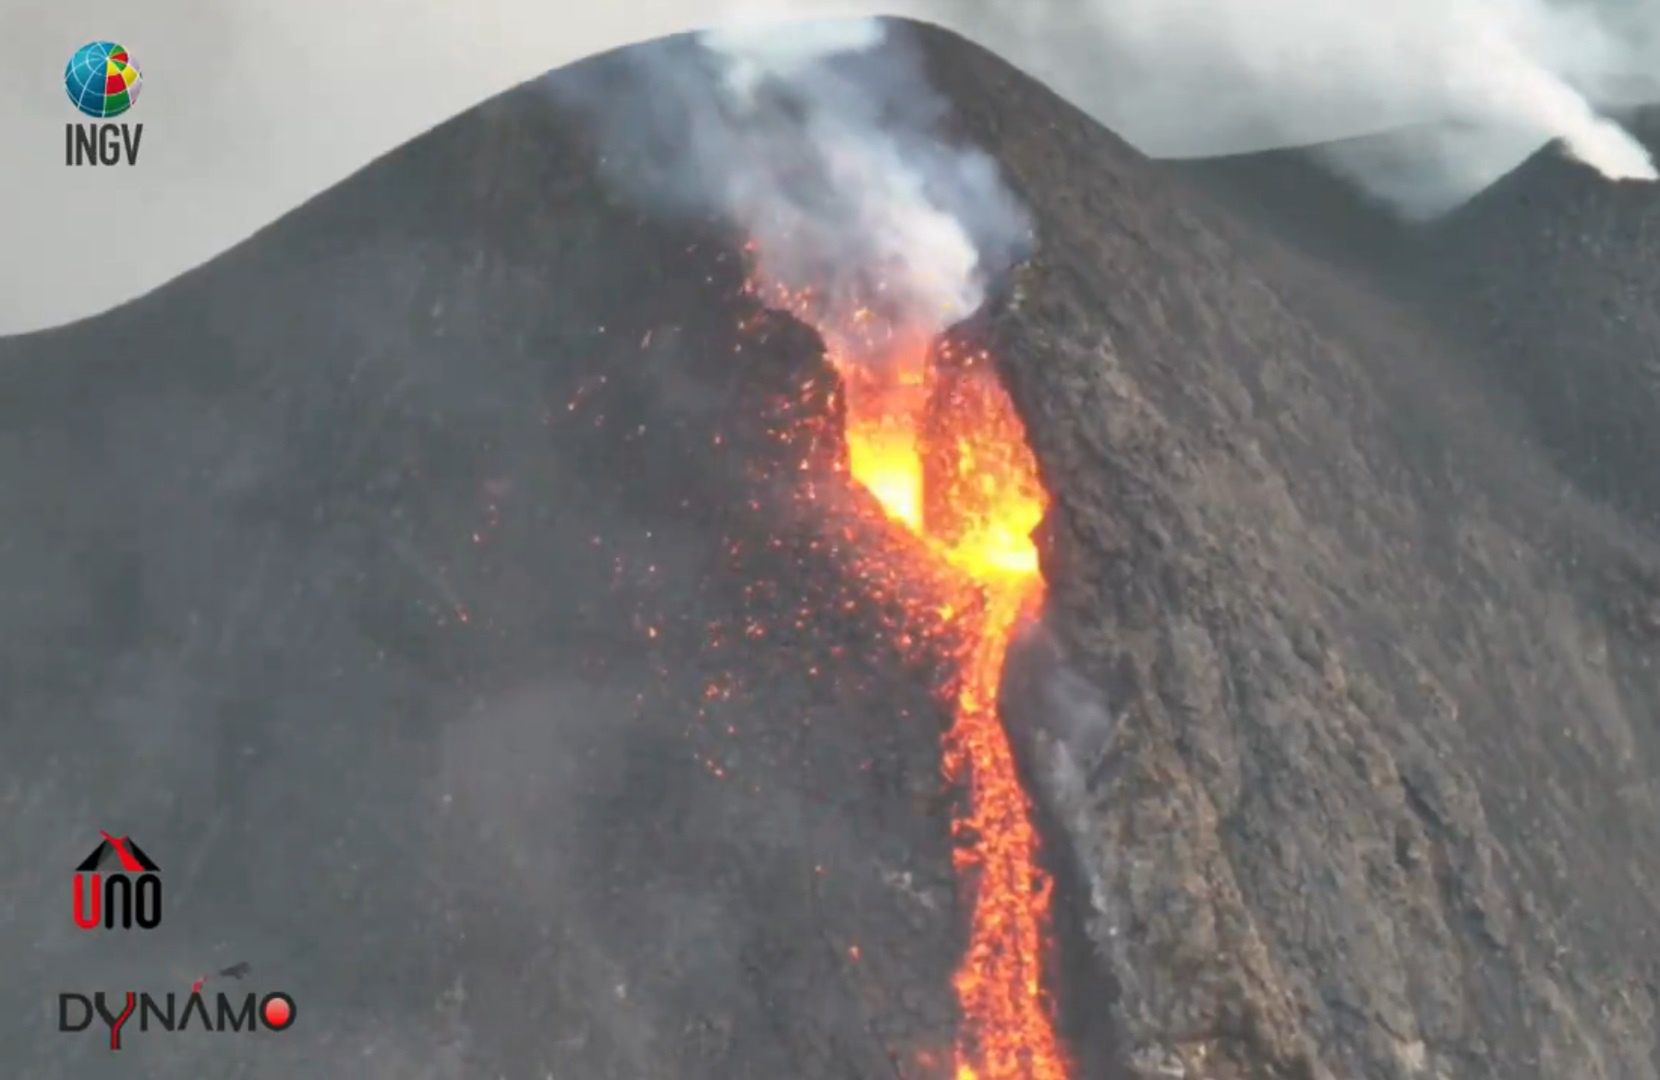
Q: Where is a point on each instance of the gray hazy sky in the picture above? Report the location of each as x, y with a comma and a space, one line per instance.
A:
250, 107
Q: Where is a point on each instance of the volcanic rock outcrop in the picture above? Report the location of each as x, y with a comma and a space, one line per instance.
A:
1378, 797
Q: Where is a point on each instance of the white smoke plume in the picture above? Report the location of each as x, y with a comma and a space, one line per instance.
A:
1476, 85
822, 142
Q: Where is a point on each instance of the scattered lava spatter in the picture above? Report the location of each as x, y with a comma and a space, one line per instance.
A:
932, 435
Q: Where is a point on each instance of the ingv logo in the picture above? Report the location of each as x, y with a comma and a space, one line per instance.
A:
128, 896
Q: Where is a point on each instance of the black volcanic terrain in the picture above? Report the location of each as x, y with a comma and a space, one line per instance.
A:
424, 583
1546, 279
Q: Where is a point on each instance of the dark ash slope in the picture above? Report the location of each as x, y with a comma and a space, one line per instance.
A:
394, 579
1547, 280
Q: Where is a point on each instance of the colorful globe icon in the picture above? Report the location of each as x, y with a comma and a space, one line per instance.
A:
102, 79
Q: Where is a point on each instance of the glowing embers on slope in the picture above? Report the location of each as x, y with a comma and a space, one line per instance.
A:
933, 436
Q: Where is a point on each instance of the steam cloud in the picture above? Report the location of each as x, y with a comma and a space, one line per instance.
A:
1482, 82
827, 152
1473, 86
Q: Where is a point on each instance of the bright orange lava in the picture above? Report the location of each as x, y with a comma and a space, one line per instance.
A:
934, 437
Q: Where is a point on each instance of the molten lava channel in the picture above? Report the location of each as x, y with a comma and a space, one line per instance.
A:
933, 436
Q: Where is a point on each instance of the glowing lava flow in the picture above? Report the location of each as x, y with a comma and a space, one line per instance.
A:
936, 440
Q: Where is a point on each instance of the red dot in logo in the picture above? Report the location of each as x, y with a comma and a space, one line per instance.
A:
277, 1010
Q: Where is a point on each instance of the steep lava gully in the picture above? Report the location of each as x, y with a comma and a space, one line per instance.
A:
932, 435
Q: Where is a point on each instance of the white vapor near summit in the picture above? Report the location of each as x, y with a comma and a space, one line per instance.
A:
1462, 90
1476, 84
827, 152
